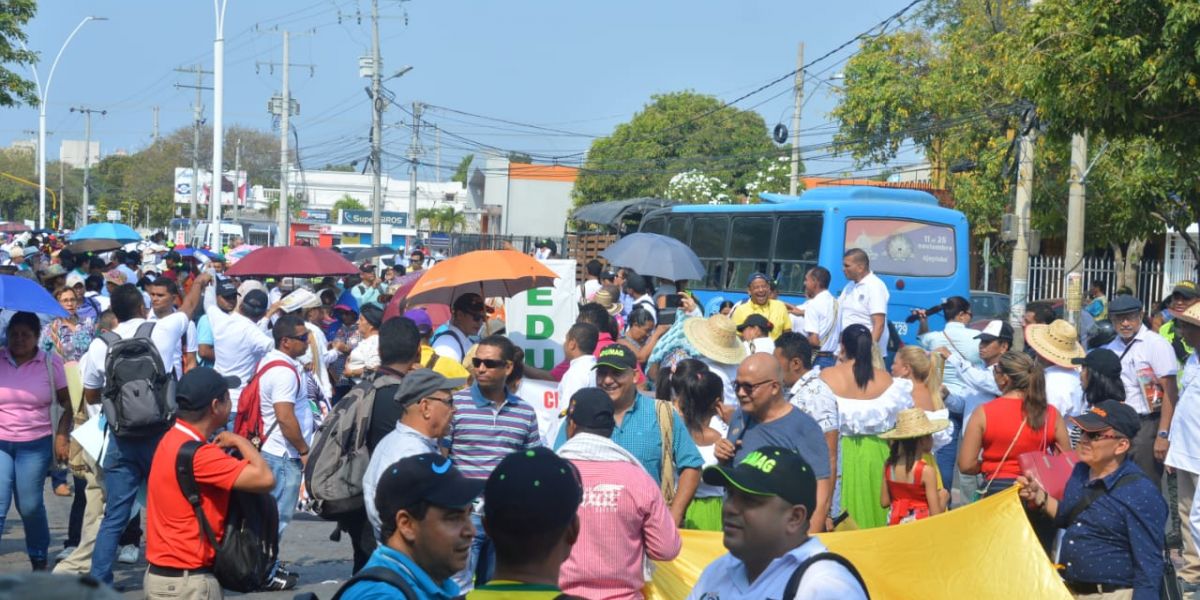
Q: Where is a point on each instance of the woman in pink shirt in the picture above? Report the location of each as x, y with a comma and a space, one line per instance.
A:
30, 379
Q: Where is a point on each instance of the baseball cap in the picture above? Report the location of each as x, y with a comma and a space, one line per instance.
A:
366, 268
428, 477
226, 288
200, 386
250, 284
1110, 413
1187, 289
74, 279
755, 320
996, 330
469, 302
532, 490
1123, 304
756, 275
1101, 360
422, 383
769, 471
421, 318
617, 357
591, 408
254, 303
114, 277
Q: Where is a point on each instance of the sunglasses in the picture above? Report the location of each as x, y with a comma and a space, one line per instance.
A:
447, 400
742, 386
488, 362
474, 314
1092, 436
300, 338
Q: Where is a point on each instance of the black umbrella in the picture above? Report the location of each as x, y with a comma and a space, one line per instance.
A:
372, 252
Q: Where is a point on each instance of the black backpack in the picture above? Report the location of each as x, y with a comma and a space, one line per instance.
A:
793, 582
139, 391
250, 547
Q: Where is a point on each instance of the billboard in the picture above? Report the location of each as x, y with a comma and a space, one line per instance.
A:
364, 217
184, 181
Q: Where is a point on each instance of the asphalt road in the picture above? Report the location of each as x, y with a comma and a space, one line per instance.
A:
306, 547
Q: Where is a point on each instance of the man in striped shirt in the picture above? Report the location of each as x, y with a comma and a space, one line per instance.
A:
489, 423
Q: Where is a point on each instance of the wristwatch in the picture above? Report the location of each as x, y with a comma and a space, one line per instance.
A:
1163, 434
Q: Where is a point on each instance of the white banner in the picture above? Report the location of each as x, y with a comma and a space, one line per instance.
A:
538, 320
543, 397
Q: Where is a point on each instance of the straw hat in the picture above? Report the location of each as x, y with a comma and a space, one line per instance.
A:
1191, 315
913, 423
716, 338
1057, 342
605, 299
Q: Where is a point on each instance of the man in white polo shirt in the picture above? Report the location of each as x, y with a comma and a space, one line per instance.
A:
1148, 369
238, 341
821, 317
770, 496
864, 300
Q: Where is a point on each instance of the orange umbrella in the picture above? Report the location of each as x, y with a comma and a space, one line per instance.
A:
489, 273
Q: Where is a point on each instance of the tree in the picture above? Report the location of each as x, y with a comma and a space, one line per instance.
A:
17, 200
460, 174
347, 202
694, 187
674, 133
773, 175
14, 89
344, 168
443, 219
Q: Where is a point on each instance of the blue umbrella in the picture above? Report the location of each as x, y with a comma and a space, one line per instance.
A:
655, 255
107, 231
21, 294
186, 252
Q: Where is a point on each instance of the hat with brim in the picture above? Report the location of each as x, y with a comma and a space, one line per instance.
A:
1124, 304
716, 338
604, 298
1057, 342
1187, 289
1191, 316
914, 423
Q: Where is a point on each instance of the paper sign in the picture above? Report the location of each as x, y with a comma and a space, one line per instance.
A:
543, 397
537, 320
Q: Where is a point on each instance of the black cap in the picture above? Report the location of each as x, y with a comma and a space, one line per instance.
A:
427, 477
1110, 413
616, 356
254, 303
226, 288
469, 302
769, 471
373, 314
422, 383
591, 408
532, 490
200, 386
1187, 289
755, 320
1101, 360
366, 268
1124, 304
996, 330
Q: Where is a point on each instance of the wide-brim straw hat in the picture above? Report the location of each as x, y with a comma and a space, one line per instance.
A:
716, 338
605, 299
1191, 316
914, 423
1057, 342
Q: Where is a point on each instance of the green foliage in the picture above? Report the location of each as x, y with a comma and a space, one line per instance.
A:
347, 202
443, 219
14, 89
676, 132
18, 200
460, 174
346, 168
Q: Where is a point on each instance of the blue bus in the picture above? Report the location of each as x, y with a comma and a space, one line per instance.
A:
918, 248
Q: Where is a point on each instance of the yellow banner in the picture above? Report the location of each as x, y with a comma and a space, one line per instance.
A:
981, 551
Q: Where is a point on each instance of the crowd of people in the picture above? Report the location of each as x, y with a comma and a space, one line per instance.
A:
766, 421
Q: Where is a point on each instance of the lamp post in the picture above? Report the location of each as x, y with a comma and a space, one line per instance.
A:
43, 94
214, 200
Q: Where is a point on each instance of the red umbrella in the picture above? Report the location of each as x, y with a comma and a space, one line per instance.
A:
13, 227
292, 261
398, 305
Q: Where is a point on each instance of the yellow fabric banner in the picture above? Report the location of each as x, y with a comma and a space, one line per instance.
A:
982, 551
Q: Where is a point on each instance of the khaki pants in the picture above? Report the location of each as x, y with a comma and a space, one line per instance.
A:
1117, 595
1187, 482
191, 586
80, 561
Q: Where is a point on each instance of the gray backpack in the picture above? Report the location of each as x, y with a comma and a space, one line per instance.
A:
139, 393
340, 456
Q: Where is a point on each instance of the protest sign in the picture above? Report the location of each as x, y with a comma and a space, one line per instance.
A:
537, 320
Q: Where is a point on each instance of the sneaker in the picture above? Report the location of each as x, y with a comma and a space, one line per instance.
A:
65, 553
281, 580
128, 554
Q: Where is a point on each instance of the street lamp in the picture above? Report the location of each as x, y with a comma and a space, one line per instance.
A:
214, 200
43, 94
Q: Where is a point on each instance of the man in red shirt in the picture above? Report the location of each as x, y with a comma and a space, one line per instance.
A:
179, 554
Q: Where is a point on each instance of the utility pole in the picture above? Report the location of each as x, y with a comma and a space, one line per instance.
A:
237, 181
437, 140
197, 123
87, 155
1020, 260
794, 180
377, 106
1076, 195
154, 132
284, 107
414, 157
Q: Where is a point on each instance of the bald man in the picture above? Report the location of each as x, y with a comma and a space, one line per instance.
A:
765, 418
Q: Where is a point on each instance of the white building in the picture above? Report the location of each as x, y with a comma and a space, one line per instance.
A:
520, 199
72, 152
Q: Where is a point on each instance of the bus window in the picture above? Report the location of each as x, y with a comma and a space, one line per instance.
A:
654, 225
708, 241
797, 246
903, 247
749, 249
677, 227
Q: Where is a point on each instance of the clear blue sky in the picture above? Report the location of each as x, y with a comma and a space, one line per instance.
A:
577, 66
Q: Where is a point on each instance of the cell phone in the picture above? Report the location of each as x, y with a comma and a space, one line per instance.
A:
673, 301
666, 316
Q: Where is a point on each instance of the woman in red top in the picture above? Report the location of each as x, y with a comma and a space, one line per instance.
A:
1003, 429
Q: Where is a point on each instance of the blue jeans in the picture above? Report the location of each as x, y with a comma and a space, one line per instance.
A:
947, 456
288, 474
126, 469
824, 361
23, 467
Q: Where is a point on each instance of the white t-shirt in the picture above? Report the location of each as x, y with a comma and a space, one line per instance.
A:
763, 344
452, 344
1184, 452
821, 318
590, 287
167, 336
238, 345
726, 579
727, 373
278, 385
1064, 392
861, 300
190, 345
365, 355
578, 376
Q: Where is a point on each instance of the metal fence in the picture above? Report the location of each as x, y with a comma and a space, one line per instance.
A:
1047, 277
